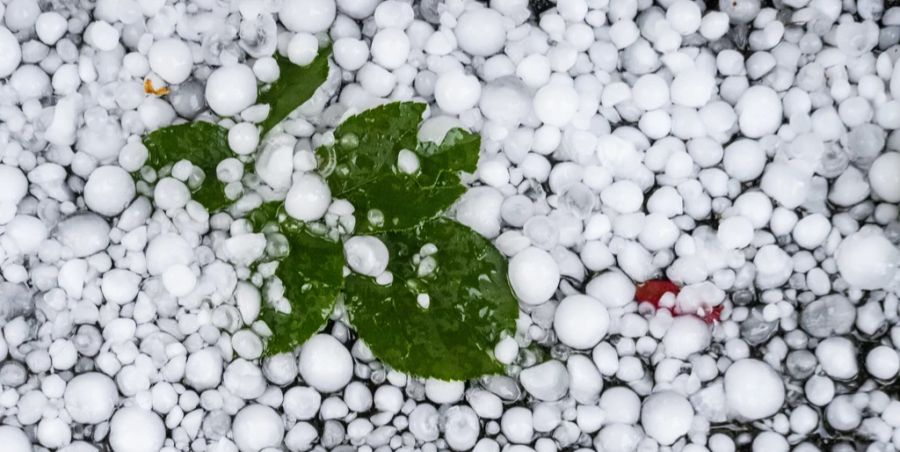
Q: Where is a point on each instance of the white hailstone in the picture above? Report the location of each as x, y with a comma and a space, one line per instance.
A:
435, 128
659, 232
249, 301
759, 111
684, 16
686, 335
50, 27
612, 288
619, 438
109, 190
517, 425
13, 187
257, 427
311, 16
308, 199
753, 389
585, 381
244, 379
811, 231
555, 104
884, 177
301, 436
621, 404
455, 91
744, 159
461, 427
232, 88
735, 232
786, 183
101, 35
581, 321
170, 193
203, 369
773, 267
837, 355
53, 433
27, 232
14, 440
134, 429
666, 416
548, 381
479, 209
867, 259
303, 48
171, 59
120, 286
534, 276
390, 48
350, 54
650, 92
423, 422
10, 52
243, 138
481, 32
693, 87
843, 414
166, 250
442, 392
883, 362
91, 398
770, 442
179, 280
84, 234
325, 363
366, 255
623, 196
302, 402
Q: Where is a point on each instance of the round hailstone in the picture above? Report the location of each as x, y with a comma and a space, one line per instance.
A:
759, 111
203, 369
10, 53
108, 190
753, 389
744, 159
456, 91
837, 355
257, 427
533, 275
308, 199
480, 32
883, 362
666, 416
687, 335
311, 16
90, 398
884, 177
166, 250
612, 288
555, 104
366, 255
14, 440
171, 59
134, 429
232, 88
867, 259
581, 321
179, 280
325, 363
693, 88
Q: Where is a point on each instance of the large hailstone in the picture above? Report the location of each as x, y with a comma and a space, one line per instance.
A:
134, 429
666, 416
753, 389
325, 364
867, 259
90, 398
581, 321
533, 275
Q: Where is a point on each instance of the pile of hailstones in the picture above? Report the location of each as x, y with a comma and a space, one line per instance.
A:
747, 154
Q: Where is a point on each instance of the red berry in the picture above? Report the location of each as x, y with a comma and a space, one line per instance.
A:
651, 291
713, 315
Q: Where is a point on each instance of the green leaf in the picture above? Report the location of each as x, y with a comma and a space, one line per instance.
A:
361, 167
470, 305
204, 144
295, 85
312, 275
